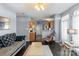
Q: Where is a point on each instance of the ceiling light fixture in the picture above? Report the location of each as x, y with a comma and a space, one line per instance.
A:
49, 19
40, 6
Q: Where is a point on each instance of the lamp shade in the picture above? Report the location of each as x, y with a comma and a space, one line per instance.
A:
71, 31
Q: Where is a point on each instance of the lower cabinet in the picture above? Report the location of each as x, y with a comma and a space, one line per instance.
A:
32, 36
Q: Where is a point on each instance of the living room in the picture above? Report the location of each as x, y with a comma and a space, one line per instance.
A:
39, 29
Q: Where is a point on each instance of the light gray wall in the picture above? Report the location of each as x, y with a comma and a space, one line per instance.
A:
40, 29
22, 25
57, 27
6, 13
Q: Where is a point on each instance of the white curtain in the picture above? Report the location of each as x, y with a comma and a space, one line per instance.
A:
64, 27
75, 37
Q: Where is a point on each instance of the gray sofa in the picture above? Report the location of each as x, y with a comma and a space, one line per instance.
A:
9, 46
12, 49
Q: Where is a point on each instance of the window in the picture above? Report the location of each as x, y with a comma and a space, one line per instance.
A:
64, 27
75, 25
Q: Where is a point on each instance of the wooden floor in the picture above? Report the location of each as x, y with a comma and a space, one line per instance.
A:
22, 51
56, 49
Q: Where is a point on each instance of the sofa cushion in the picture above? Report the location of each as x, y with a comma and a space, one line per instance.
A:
13, 36
8, 39
1, 44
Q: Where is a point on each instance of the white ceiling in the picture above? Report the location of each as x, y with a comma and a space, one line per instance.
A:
28, 9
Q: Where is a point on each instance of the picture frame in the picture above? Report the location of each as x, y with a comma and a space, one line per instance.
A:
4, 23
